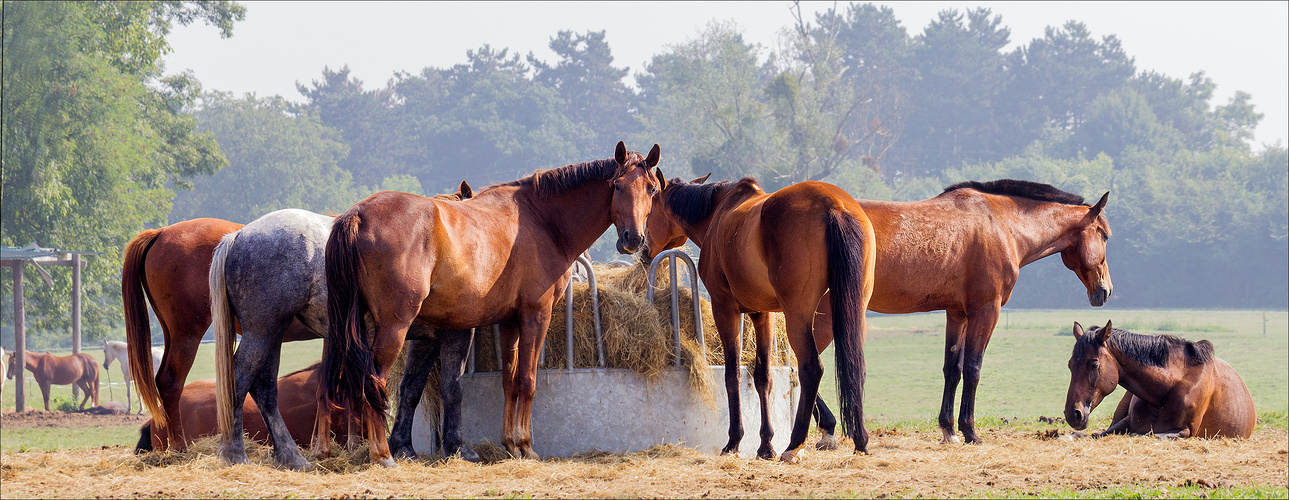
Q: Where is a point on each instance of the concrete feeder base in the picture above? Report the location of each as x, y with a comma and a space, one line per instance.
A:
617, 411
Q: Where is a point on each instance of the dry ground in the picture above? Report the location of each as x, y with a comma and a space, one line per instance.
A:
33, 419
902, 464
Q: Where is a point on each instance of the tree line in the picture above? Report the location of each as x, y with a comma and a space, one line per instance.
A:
850, 96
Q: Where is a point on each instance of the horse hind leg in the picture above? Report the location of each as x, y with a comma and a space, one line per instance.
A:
810, 372
827, 425
264, 390
955, 327
420, 355
453, 352
761, 378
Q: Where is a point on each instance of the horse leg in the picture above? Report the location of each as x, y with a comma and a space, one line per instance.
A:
420, 354
810, 372
761, 377
386, 345
726, 317
44, 391
827, 425
182, 343
533, 325
248, 363
955, 325
454, 350
129, 405
979, 329
509, 347
264, 390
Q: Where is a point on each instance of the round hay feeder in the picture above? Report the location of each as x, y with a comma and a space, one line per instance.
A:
621, 410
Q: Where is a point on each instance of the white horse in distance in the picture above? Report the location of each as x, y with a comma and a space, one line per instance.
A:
116, 350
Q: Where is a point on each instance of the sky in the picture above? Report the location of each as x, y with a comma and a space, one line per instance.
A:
1240, 45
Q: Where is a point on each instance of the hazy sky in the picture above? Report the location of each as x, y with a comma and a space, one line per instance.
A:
1241, 46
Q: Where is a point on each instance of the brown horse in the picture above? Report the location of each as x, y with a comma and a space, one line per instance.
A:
297, 401
80, 369
1176, 388
961, 252
778, 251
501, 257
169, 268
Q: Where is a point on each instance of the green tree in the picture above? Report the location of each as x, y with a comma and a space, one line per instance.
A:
368, 122
276, 159
93, 140
593, 90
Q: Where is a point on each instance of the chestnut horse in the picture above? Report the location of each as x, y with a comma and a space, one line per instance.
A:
79, 369
297, 400
778, 251
502, 257
961, 252
1175, 388
168, 267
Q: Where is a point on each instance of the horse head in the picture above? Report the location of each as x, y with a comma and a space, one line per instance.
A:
1094, 373
663, 232
633, 190
109, 355
13, 365
1085, 253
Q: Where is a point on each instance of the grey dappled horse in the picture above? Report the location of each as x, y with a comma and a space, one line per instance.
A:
263, 276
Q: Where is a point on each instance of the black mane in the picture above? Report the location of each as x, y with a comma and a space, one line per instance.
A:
1152, 350
693, 203
556, 181
1024, 189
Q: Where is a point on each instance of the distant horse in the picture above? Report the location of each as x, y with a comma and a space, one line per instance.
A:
78, 369
297, 401
115, 350
265, 277
962, 252
4, 367
168, 267
501, 257
1176, 388
780, 251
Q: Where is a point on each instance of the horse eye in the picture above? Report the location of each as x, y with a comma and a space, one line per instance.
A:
1093, 364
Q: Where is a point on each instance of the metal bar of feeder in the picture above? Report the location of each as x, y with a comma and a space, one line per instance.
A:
473, 346
675, 306
568, 324
693, 273
496, 341
595, 307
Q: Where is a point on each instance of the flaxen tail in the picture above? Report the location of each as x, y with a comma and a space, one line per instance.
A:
222, 320
138, 332
349, 377
851, 260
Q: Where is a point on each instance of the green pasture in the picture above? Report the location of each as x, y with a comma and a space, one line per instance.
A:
1024, 377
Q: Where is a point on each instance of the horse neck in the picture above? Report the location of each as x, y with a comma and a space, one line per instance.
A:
575, 218
1147, 382
726, 200
1040, 231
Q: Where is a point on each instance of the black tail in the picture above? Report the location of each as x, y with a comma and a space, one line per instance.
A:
349, 378
145, 439
850, 269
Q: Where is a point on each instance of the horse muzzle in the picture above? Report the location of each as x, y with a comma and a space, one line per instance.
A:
630, 241
1077, 416
1099, 295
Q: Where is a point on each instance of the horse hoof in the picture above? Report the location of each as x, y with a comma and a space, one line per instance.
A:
792, 456
530, 454
296, 465
950, 438
766, 452
730, 450
827, 443
388, 463
466, 453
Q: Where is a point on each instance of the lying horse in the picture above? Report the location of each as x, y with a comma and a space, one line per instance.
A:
1176, 388
501, 257
297, 401
79, 369
115, 350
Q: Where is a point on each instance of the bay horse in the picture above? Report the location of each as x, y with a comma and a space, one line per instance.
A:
297, 401
781, 251
168, 269
115, 350
501, 257
78, 369
1175, 388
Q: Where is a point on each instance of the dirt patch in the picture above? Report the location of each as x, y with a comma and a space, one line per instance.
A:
36, 419
904, 464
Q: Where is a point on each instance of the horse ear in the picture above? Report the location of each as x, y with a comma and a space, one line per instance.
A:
702, 179
662, 179
1096, 209
652, 160
620, 153
1104, 333
466, 192
1078, 330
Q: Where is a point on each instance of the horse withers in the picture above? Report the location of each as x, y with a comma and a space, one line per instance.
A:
78, 369
115, 350
1175, 388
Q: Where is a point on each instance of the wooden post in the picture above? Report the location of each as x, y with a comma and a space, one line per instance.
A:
76, 315
19, 339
